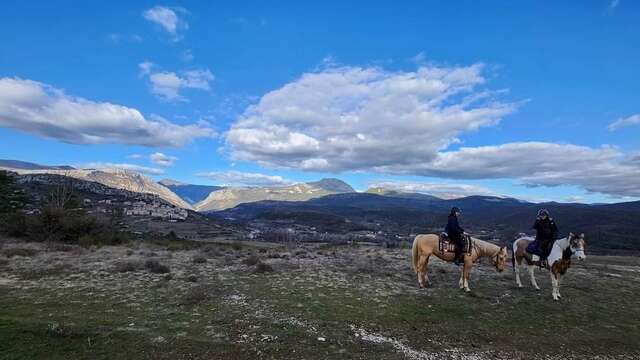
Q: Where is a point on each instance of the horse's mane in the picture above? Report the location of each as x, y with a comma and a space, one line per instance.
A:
485, 247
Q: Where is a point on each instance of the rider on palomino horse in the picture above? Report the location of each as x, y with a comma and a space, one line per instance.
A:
546, 234
455, 233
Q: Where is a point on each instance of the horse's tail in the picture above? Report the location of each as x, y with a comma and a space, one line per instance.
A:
514, 248
414, 254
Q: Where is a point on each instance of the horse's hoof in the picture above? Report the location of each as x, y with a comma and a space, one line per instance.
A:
520, 286
537, 289
467, 290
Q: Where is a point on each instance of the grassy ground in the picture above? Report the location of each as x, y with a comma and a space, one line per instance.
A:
319, 302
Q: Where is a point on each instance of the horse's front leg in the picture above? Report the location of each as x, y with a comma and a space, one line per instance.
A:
554, 285
466, 271
532, 274
516, 269
558, 286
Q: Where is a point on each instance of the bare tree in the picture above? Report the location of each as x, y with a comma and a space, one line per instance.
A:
61, 195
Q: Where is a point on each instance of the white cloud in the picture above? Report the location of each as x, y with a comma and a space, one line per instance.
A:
163, 160
167, 85
601, 170
167, 18
145, 68
129, 167
369, 119
441, 190
352, 118
624, 122
237, 178
135, 156
46, 111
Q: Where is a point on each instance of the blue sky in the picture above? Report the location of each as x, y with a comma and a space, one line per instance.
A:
370, 92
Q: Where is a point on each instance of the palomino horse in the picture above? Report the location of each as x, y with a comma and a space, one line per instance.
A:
558, 261
427, 244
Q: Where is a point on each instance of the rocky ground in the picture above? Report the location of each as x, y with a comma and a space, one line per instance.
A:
188, 300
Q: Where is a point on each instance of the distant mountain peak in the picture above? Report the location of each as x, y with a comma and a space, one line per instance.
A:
233, 196
332, 184
171, 182
402, 194
25, 165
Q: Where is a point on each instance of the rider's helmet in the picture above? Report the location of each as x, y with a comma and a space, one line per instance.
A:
543, 212
455, 209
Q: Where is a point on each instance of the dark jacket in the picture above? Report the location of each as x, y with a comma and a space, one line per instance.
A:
453, 229
546, 229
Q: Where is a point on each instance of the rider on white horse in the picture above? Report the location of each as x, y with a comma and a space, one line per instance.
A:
546, 234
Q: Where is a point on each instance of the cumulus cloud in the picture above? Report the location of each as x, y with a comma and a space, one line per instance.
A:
167, 84
602, 170
369, 119
624, 122
441, 190
353, 118
168, 19
135, 156
163, 160
237, 178
129, 167
45, 111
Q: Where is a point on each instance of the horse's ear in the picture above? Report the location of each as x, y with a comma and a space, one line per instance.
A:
582, 235
571, 235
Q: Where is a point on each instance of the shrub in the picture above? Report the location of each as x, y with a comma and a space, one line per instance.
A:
199, 259
251, 260
56, 330
127, 266
195, 295
263, 268
154, 266
26, 252
192, 278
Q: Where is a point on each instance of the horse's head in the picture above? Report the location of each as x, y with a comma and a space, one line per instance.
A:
500, 260
577, 245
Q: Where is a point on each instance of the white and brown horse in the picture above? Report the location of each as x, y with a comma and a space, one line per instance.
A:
558, 262
428, 244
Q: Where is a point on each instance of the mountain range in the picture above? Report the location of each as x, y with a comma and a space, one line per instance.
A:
332, 205
610, 228
230, 197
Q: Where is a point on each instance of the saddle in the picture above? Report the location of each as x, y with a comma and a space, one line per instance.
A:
446, 245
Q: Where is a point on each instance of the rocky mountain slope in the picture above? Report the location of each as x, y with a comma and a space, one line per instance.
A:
118, 179
232, 196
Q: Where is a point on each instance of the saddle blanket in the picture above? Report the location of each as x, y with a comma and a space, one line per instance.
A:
445, 245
